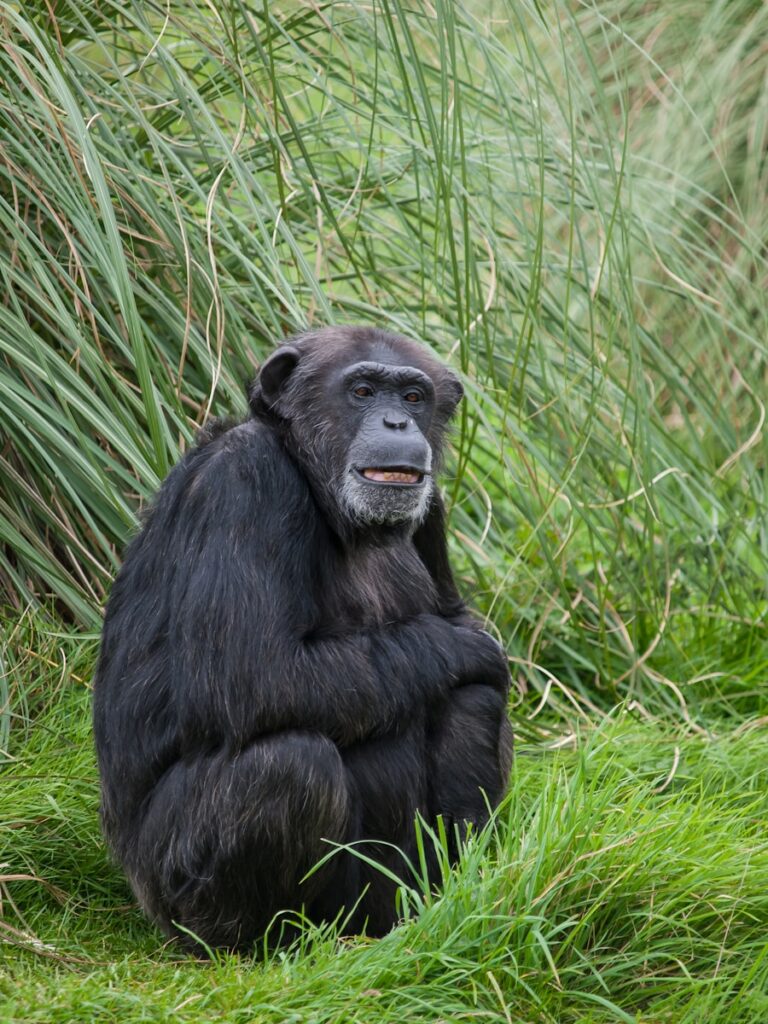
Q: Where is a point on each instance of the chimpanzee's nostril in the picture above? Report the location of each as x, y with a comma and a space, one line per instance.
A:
394, 421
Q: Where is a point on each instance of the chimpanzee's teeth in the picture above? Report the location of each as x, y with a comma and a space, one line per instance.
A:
384, 476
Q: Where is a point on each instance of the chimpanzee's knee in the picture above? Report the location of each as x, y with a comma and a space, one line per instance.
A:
227, 838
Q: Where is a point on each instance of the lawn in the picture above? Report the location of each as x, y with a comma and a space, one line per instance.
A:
567, 201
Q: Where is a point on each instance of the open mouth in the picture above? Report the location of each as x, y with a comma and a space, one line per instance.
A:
392, 475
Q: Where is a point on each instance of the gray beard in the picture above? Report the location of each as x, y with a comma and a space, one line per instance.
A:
378, 504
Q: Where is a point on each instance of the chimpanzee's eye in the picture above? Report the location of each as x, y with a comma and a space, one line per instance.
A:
412, 396
364, 391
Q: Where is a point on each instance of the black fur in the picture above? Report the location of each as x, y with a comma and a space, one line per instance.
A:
275, 673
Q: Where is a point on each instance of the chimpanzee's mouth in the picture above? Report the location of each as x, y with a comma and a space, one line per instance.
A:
400, 475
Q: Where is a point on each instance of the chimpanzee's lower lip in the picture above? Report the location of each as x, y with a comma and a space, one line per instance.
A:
392, 476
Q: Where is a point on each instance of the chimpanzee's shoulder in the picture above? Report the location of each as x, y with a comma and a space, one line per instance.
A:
249, 452
234, 468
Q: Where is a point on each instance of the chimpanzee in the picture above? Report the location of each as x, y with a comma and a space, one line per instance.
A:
286, 664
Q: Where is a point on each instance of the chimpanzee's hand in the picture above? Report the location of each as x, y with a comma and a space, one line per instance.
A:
482, 659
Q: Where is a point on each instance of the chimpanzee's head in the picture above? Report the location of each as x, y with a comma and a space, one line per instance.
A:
364, 413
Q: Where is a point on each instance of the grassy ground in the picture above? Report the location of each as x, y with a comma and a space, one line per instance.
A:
626, 879
568, 202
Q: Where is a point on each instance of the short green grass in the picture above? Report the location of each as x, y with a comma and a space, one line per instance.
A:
626, 879
567, 201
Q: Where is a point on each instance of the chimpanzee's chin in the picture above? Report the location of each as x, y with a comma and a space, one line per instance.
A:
366, 503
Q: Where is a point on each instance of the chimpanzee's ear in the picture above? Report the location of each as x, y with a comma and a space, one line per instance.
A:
452, 390
276, 371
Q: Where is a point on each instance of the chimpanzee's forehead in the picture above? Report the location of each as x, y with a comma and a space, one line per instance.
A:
332, 349
386, 373
385, 354
389, 350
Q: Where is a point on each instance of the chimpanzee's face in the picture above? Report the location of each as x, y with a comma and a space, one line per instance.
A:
388, 471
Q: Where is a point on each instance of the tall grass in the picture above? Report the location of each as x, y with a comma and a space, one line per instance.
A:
555, 200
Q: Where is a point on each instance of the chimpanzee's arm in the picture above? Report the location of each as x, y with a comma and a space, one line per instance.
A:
430, 542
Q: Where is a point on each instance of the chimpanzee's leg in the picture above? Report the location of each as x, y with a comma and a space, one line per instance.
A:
388, 788
226, 838
469, 755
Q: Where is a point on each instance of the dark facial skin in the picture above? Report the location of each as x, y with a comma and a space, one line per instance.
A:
286, 662
392, 407
388, 474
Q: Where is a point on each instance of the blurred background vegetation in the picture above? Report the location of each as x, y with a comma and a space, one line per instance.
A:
567, 200
558, 200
